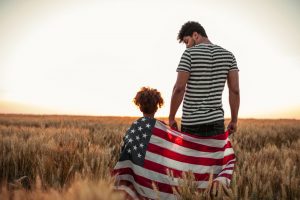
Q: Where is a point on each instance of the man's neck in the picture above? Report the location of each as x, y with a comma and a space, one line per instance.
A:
204, 40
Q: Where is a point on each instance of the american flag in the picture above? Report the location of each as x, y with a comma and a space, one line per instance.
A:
152, 150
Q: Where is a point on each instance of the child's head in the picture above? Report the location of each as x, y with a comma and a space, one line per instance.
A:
148, 100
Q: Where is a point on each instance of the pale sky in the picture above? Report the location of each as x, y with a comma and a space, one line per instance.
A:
91, 57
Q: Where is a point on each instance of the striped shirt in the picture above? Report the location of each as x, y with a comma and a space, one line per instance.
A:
208, 65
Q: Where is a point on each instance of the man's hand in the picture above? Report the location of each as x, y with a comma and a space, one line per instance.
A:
232, 127
173, 124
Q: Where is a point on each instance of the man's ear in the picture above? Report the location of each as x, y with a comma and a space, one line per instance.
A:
196, 36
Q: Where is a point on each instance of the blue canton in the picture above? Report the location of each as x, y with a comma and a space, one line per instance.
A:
136, 140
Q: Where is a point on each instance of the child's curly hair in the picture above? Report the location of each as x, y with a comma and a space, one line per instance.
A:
148, 100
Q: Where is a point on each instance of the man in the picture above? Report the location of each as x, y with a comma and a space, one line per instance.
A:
202, 73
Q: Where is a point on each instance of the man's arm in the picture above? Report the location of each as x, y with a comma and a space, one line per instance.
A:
177, 96
234, 98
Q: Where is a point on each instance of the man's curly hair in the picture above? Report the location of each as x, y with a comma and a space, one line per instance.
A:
148, 100
188, 28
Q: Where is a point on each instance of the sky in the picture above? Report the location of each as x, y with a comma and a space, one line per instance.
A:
91, 57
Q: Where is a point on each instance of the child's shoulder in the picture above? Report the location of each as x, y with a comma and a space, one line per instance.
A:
146, 121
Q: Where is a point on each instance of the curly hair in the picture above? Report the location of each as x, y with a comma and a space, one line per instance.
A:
188, 28
148, 100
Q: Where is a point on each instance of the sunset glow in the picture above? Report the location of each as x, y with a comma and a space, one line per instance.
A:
90, 58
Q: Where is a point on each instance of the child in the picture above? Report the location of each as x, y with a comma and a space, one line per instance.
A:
136, 140
152, 151
148, 100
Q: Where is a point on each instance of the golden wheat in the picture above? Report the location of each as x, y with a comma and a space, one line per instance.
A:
70, 157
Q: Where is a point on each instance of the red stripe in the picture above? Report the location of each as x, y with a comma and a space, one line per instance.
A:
231, 162
228, 168
188, 144
144, 181
176, 173
188, 159
229, 176
222, 136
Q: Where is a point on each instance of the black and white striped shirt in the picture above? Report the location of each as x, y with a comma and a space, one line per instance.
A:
208, 65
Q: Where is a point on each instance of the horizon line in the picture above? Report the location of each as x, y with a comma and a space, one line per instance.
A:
133, 116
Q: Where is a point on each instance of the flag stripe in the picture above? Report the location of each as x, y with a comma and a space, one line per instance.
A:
170, 163
129, 190
153, 166
168, 171
226, 172
188, 159
192, 144
185, 148
153, 175
144, 191
164, 187
142, 171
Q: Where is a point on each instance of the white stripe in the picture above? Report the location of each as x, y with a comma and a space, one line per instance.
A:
203, 110
208, 78
149, 174
212, 85
208, 82
224, 60
207, 142
128, 190
209, 90
229, 171
186, 122
195, 109
223, 180
200, 117
195, 89
183, 166
210, 73
209, 107
216, 57
210, 63
189, 152
231, 165
184, 65
208, 57
146, 192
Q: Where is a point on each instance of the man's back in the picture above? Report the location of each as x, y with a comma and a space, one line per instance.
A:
208, 65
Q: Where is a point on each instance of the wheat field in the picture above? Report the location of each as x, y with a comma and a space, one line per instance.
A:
70, 157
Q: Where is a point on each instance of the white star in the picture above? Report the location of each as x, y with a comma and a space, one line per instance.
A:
128, 150
130, 140
132, 131
144, 119
134, 147
148, 125
144, 135
126, 136
142, 145
137, 137
135, 122
139, 155
140, 128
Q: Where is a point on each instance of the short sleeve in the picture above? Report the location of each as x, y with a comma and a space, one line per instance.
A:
233, 64
185, 62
